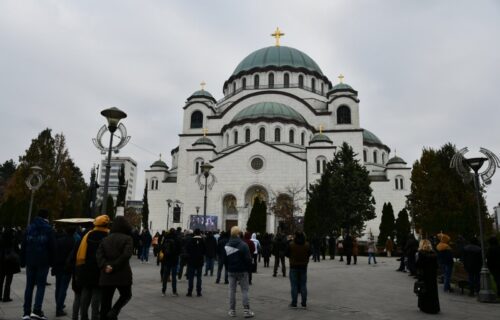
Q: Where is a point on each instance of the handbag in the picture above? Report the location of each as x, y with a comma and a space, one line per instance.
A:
419, 288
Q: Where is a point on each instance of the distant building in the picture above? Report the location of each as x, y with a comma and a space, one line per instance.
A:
130, 177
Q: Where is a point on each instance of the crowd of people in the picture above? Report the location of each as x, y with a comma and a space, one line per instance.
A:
95, 260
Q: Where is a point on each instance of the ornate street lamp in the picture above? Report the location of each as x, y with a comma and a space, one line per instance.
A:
34, 182
169, 204
113, 115
197, 210
205, 171
463, 167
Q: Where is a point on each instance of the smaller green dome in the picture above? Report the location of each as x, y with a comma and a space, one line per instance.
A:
202, 94
159, 164
370, 137
204, 141
269, 111
341, 86
319, 137
395, 160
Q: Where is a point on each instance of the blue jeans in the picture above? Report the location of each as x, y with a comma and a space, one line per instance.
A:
474, 281
144, 253
169, 269
35, 276
191, 271
447, 270
209, 265
298, 280
62, 283
370, 256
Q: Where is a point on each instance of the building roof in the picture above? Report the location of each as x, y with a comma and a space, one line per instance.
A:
370, 137
341, 86
319, 137
269, 110
395, 160
201, 94
204, 141
277, 56
160, 164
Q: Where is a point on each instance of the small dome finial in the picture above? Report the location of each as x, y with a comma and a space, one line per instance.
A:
160, 156
321, 127
205, 131
277, 34
341, 78
203, 84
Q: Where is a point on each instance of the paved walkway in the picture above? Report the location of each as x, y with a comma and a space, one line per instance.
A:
336, 291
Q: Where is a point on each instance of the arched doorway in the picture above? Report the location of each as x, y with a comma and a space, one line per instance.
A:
253, 193
230, 211
283, 210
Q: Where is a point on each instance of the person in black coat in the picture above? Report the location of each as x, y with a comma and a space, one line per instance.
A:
332, 244
348, 248
170, 247
210, 253
472, 263
9, 262
279, 249
195, 250
411, 249
266, 245
223, 239
64, 247
493, 258
427, 267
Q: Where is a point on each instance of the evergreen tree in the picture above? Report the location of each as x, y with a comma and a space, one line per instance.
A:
63, 190
258, 216
122, 187
387, 224
343, 196
145, 207
7, 169
402, 228
439, 200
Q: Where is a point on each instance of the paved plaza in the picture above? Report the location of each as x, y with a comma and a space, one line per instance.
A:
336, 291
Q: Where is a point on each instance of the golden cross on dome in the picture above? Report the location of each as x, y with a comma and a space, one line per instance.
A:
341, 78
277, 34
321, 127
205, 131
203, 84
160, 156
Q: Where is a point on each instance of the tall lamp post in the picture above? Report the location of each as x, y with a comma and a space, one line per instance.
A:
113, 115
34, 182
169, 205
205, 170
463, 167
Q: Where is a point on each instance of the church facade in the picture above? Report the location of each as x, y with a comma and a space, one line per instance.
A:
280, 120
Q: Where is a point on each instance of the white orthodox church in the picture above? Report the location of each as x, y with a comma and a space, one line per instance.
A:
280, 120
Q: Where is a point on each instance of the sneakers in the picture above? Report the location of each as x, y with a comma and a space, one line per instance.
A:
26, 317
232, 313
198, 294
189, 294
38, 315
175, 294
292, 306
304, 305
60, 313
163, 294
247, 313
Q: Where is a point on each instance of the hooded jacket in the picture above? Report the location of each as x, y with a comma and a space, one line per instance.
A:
237, 256
298, 252
256, 242
444, 253
38, 247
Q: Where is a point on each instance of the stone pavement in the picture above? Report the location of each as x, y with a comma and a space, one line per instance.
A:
336, 291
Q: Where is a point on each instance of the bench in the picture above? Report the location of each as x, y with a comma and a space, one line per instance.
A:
460, 277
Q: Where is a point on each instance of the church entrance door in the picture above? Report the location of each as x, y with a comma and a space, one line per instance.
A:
230, 224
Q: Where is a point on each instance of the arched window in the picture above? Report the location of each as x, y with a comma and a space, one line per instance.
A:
399, 183
375, 156
322, 88
262, 134
365, 156
271, 80
235, 137
313, 84
154, 183
303, 138
256, 81
247, 135
197, 165
234, 87
383, 157
291, 136
277, 134
320, 165
227, 139
301, 81
244, 83
344, 115
196, 120
286, 80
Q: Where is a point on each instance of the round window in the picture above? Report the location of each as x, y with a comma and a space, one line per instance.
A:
257, 163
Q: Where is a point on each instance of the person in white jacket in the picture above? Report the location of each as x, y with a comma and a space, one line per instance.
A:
255, 254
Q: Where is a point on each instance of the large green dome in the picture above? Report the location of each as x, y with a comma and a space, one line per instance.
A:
269, 111
277, 57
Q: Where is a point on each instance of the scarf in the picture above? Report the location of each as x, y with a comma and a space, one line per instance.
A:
81, 255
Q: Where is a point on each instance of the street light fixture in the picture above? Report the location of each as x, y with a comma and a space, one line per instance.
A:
197, 210
113, 116
463, 167
169, 204
34, 182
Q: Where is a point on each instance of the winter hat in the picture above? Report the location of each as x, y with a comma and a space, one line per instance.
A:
101, 221
43, 213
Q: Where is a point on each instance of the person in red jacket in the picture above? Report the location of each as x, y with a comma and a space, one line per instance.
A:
251, 246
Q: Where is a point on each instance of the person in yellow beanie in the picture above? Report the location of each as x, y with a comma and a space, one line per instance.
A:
88, 272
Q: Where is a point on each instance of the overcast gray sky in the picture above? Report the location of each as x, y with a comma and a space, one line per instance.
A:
427, 72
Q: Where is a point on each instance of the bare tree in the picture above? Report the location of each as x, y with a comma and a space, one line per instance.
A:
285, 205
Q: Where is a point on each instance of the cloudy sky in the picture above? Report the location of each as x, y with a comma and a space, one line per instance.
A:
427, 72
